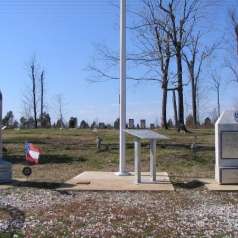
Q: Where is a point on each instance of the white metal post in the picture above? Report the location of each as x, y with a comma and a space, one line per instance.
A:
137, 160
153, 159
122, 163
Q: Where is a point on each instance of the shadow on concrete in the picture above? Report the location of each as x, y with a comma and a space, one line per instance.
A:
40, 184
45, 159
189, 185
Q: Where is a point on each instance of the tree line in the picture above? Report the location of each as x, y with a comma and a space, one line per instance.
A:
10, 122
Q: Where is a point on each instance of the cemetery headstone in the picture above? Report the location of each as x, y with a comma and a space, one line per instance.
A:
143, 124
207, 123
117, 124
5, 167
131, 124
102, 125
226, 143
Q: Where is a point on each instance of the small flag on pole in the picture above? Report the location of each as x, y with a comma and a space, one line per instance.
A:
32, 153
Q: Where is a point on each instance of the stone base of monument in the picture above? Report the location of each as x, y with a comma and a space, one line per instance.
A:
212, 185
5, 172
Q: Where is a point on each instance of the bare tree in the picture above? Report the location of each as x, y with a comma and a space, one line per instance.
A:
195, 55
233, 64
216, 86
175, 108
42, 78
60, 107
34, 92
34, 98
163, 32
153, 54
234, 19
182, 16
161, 50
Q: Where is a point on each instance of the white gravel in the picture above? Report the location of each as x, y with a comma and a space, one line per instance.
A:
184, 213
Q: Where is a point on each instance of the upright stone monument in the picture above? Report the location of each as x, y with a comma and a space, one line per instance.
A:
102, 125
143, 124
5, 167
131, 124
226, 142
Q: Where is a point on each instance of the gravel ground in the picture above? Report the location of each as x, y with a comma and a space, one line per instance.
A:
184, 213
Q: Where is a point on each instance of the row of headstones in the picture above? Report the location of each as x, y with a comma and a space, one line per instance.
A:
142, 125
130, 125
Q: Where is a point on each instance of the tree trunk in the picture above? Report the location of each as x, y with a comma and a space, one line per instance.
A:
42, 95
164, 109
164, 102
181, 125
175, 109
34, 94
194, 101
218, 103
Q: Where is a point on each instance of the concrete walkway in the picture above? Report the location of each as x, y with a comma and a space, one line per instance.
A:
212, 185
109, 181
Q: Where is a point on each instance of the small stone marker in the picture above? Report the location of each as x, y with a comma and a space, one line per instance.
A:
5, 167
131, 124
101, 125
226, 143
99, 143
117, 124
142, 124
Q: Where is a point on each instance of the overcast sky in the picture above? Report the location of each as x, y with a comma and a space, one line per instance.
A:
62, 35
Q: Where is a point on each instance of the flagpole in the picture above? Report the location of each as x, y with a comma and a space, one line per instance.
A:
122, 138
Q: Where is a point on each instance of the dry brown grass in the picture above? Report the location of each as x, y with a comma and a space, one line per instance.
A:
69, 152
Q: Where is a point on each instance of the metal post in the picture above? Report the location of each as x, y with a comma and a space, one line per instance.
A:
122, 163
153, 159
137, 160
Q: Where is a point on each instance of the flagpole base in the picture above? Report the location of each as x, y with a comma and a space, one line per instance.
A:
122, 173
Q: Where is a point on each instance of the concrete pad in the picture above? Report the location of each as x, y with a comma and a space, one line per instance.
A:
214, 186
109, 181
5, 186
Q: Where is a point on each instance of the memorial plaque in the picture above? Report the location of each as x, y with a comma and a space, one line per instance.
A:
229, 142
229, 175
146, 134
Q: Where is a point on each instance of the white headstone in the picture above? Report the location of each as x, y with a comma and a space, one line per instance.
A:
131, 124
5, 167
226, 143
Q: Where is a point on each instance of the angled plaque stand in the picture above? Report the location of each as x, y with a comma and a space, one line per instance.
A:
152, 137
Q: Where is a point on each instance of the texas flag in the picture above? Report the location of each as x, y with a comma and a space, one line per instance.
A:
32, 153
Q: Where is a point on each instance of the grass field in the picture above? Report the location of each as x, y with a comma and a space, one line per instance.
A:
71, 151
35, 209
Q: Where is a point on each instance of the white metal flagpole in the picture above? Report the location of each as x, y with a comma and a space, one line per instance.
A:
122, 163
